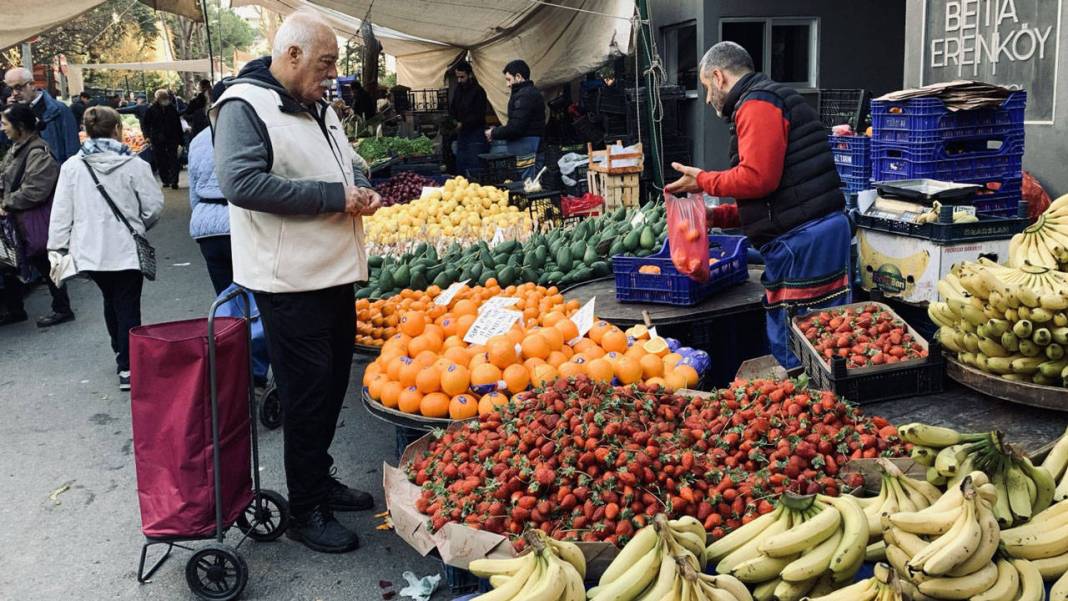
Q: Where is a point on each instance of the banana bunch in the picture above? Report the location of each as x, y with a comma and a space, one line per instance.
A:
897, 492
1023, 489
805, 543
552, 571
1010, 322
1056, 463
885, 585
947, 551
1045, 242
663, 562
931, 216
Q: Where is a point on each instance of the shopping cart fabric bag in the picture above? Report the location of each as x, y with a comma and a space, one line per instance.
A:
171, 407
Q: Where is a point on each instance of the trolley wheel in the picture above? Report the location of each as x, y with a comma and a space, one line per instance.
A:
266, 518
271, 407
216, 573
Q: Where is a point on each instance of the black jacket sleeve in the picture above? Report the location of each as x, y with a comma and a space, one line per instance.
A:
521, 113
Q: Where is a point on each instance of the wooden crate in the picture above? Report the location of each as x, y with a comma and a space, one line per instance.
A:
610, 159
617, 190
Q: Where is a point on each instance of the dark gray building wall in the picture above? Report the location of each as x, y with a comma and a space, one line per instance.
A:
1046, 144
861, 45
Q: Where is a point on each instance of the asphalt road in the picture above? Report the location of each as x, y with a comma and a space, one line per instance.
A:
68, 504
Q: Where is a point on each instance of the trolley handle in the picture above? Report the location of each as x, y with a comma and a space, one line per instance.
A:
229, 296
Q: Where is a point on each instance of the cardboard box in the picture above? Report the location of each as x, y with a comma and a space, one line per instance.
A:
909, 268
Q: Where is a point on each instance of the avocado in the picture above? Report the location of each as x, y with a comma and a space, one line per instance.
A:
590, 256
418, 281
601, 268
401, 277
647, 238
506, 277
631, 240
563, 259
374, 261
555, 276
442, 280
364, 292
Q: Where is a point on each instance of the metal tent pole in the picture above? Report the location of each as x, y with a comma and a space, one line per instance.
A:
207, 28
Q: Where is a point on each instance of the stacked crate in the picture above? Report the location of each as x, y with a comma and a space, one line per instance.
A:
852, 158
922, 138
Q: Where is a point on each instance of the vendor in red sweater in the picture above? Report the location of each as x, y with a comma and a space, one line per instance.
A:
787, 192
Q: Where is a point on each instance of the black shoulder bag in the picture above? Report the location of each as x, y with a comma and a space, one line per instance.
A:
146, 255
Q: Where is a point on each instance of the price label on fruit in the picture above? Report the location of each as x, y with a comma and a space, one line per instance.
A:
639, 219
584, 318
493, 322
449, 293
498, 302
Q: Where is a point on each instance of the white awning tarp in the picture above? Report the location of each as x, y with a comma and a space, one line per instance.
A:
76, 81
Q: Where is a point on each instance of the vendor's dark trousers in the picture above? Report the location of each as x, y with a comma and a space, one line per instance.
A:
122, 309
309, 340
470, 144
220, 261
166, 157
14, 289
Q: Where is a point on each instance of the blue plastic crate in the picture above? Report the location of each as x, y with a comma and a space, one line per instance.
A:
851, 151
928, 119
670, 287
958, 161
852, 184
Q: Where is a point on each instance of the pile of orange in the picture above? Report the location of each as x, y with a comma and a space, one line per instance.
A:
377, 321
426, 368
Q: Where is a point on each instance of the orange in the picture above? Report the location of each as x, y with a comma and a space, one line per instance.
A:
465, 307
583, 344
628, 371
501, 352
557, 358
598, 330
477, 359
455, 379
600, 370
398, 341
428, 380
457, 355
552, 318
656, 346
543, 375
452, 342
413, 323
671, 360
516, 378
688, 372
463, 324
572, 370
463, 406
372, 370
675, 380
612, 358
391, 394
567, 328
535, 345
594, 352
448, 323
657, 381
533, 362
422, 343
409, 399
553, 336
614, 340
374, 388
490, 402
426, 358
638, 332
652, 366
485, 377
436, 331
408, 373
635, 352
515, 334
435, 404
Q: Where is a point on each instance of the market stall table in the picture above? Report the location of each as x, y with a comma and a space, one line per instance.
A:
729, 325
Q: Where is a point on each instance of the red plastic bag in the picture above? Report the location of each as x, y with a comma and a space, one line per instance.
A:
1035, 195
688, 235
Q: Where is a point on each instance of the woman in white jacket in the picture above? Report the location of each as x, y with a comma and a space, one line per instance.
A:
83, 224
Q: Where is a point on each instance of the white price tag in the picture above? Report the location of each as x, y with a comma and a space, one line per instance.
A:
498, 237
584, 319
498, 302
638, 219
491, 323
449, 293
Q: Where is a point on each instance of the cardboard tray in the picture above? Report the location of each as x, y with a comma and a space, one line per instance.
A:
807, 344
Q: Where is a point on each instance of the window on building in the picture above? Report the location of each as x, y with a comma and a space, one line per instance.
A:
783, 48
680, 54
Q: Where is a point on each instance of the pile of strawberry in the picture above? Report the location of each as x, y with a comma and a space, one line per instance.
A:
582, 461
871, 336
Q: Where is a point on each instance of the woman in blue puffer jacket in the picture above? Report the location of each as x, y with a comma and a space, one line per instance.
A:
210, 223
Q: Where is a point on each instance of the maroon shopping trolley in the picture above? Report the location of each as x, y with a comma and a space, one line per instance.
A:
196, 449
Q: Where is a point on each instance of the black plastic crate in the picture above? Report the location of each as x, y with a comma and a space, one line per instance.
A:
987, 228
497, 168
845, 106
428, 101
870, 384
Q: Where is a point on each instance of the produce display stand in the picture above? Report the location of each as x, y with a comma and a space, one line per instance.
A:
400, 418
367, 351
1024, 393
617, 184
729, 325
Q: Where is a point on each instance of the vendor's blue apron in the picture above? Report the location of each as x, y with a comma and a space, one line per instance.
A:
526, 145
804, 269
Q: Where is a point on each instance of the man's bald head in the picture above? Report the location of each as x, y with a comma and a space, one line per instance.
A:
20, 80
304, 56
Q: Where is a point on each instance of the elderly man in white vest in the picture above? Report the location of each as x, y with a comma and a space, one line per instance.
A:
296, 209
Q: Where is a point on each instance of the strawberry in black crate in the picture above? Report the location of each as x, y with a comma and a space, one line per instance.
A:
866, 353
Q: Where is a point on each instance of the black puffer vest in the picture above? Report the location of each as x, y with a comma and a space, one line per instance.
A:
810, 187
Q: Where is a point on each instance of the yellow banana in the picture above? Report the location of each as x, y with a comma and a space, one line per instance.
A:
946, 541
1051, 568
804, 535
793, 591
736, 539
964, 587
875, 552
849, 555
1040, 545
574, 589
1059, 592
571, 553
633, 580
988, 543
765, 591
761, 568
860, 591
813, 561
510, 589
926, 523
1031, 586
924, 489
644, 541
550, 585
665, 581
730, 584
484, 568
750, 549
1005, 587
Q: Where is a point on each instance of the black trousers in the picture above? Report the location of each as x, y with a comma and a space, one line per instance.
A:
14, 289
122, 309
309, 340
220, 261
166, 157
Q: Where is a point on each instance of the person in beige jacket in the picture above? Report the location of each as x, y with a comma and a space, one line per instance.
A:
296, 231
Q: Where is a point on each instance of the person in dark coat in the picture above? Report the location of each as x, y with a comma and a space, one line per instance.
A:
468, 108
196, 114
59, 128
163, 128
78, 107
526, 114
363, 104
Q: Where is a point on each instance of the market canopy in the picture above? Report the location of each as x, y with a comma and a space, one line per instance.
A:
559, 41
76, 83
21, 20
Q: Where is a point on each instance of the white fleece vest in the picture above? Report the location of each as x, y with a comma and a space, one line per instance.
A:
297, 253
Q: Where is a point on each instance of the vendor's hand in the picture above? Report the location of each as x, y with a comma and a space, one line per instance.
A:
355, 200
685, 184
489, 134
374, 202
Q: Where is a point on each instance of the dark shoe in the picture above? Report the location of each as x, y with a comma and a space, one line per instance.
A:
343, 498
320, 531
174, 186
124, 380
54, 319
9, 318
